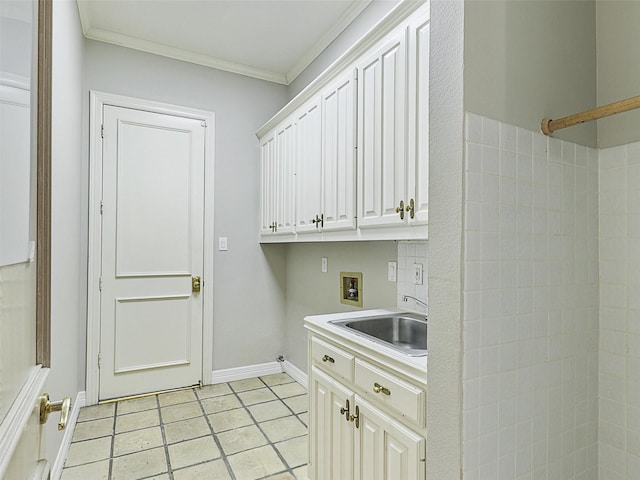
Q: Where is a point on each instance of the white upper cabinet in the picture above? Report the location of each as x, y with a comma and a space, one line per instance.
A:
308, 176
338, 154
285, 139
268, 183
418, 125
382, 172
316, 184
277, 152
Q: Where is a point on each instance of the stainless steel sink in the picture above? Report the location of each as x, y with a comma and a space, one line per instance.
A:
405, 332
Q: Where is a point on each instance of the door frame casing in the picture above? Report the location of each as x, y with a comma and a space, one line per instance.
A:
98, 100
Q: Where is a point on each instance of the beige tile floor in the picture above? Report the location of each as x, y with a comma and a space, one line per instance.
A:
244, 430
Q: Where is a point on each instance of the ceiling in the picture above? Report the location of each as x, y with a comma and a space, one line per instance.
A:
273, 40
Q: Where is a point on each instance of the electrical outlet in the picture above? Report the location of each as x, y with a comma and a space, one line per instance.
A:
325, 264
417, 275
392, 269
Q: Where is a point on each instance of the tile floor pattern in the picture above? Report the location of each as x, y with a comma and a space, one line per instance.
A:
243, 430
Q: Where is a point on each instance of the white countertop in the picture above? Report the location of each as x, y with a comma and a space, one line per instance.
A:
323, 323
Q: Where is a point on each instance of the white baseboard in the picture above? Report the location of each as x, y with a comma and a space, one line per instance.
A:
298, 375
58, 465
249, 371
259, 370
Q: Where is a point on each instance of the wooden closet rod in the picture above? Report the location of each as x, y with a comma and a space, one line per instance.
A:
549, 126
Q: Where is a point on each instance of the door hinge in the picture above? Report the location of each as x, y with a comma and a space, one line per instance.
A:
100, 284
99, 360
101, 208
203, 123
102, 131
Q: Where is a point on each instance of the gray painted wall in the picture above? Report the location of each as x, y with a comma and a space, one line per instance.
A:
311, 292
618, 44
68, 226
531, 59
248, 283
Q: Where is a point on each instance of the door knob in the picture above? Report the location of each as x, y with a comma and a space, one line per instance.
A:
46, 407
195, 284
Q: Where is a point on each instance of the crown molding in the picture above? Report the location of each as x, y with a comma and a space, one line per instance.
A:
184, 55
349, 16
376, 33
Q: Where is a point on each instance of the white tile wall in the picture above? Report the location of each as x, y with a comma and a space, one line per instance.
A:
619, 420
410, 253
530, 376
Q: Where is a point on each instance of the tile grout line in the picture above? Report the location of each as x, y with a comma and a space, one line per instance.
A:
289, 469
113, 441
223, 456
164, 439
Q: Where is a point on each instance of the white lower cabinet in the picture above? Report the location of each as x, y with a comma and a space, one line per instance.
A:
333, 439
384, 449
361, 431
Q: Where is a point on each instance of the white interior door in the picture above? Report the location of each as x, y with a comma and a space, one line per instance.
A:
152, 246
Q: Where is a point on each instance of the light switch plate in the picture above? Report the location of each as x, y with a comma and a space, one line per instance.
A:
325, 263
222, 244
392, 271
417, 277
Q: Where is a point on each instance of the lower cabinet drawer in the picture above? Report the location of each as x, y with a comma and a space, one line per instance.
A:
404, 398
332, 359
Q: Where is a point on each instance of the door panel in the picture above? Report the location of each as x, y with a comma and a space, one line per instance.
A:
136, 351
153, 190
331, 447
308, 167
381, 144
268, 176
385, 449
338, 154
285, 151
152, 244
418, 125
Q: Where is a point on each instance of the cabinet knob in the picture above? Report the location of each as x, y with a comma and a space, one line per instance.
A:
377, 388
400, 209
410, 208
356, 418
345, 410
327, 358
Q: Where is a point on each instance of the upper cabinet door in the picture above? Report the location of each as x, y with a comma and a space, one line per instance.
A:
418, 126
339, 154
382, 98
308, 167
268, 184
285, 139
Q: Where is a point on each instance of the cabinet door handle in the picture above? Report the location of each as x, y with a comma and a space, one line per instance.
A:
345, 411
377, 388
400, 209
411, 208
356, 418
319, 220
327, 358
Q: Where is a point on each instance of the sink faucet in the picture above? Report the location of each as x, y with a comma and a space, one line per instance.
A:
405, 298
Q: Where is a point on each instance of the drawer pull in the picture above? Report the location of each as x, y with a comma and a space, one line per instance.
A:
345, 411
356, 417
327, 358
377, 388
